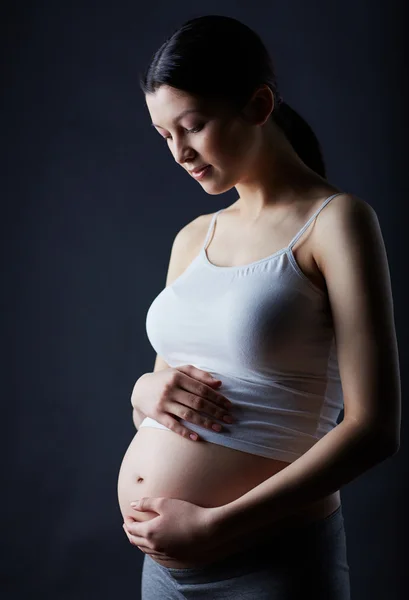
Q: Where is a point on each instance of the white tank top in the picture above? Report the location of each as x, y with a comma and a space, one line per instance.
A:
266, 331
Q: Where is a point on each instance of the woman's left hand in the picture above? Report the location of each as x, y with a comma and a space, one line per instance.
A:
181, 530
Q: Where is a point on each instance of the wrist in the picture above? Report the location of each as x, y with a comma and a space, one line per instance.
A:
220, 520
236, 519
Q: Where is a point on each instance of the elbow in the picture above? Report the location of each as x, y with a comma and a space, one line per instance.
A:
387, 446
392, 446
390, 440
378, 441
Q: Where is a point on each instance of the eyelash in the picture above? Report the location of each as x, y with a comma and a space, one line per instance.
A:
194, 130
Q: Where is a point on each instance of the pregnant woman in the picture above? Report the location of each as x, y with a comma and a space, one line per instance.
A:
277, 312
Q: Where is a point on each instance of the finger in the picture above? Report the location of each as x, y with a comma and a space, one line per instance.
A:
140, 543
127, 534
138, 528
135, 541
163, 557
157, 555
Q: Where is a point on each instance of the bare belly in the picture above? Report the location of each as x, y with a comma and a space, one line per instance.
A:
162, 463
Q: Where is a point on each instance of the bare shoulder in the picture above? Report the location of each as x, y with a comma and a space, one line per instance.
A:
350, 253
194, 233
185, 246
346, 220
191, 235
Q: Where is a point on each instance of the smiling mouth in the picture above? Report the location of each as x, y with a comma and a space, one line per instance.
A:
202, 173
197, 170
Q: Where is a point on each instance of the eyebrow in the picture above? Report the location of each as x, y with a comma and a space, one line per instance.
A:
182, 114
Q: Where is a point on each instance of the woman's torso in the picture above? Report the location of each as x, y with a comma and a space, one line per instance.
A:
161, 463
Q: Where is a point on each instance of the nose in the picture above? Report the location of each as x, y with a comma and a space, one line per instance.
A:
182, 153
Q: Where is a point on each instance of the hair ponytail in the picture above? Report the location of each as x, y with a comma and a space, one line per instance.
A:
220, 58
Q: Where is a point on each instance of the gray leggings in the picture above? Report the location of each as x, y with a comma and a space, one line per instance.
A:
309, 561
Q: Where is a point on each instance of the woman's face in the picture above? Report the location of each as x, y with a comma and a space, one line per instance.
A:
212, 135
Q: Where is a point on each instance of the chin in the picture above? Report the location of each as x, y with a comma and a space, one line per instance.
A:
215, 190
214, 193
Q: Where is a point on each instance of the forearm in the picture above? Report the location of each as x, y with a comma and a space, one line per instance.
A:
340, 456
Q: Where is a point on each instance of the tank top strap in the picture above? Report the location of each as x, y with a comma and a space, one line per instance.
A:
210, 230
310, 220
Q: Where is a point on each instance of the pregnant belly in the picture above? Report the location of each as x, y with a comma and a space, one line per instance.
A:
162, 463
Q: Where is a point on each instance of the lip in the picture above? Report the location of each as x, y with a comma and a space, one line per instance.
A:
197, 169
200, 171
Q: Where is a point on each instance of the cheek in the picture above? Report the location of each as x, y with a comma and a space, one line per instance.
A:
226, 147
235, 142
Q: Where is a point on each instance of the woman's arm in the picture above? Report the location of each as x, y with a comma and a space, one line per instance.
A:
350, 252
336, 459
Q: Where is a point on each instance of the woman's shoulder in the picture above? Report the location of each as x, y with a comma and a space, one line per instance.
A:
346, 221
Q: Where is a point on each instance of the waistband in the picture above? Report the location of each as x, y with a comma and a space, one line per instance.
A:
315, 534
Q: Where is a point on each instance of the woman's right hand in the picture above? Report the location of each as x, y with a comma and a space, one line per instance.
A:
183, 392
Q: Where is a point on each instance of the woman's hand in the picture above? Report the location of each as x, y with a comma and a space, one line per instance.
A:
181, 531
183, 392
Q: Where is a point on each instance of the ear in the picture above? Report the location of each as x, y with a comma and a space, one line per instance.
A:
260, 106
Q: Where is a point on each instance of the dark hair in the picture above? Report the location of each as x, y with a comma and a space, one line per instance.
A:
219, 58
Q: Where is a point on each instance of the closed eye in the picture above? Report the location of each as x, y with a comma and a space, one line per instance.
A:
194, 130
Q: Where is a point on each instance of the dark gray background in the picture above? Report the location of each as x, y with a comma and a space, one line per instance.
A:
91, 202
